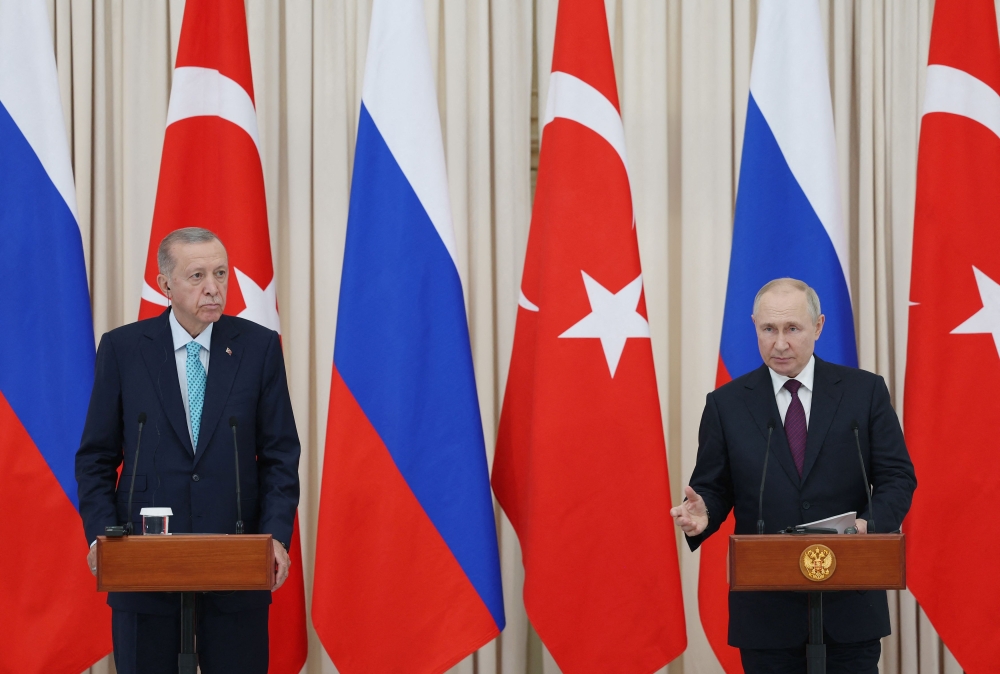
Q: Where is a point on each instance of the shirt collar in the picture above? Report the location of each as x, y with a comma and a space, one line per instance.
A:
805, 377
182, 336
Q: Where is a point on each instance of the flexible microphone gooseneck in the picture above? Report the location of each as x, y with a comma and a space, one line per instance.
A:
236, 455
763, 476
135, 464
864, 474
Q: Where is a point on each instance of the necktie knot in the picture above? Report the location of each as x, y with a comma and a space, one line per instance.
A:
793, 386
193, 349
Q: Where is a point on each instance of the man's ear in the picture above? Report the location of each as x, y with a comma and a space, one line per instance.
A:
163, 283
819, 325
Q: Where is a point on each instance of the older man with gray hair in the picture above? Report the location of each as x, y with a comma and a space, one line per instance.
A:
187, 373
813, 474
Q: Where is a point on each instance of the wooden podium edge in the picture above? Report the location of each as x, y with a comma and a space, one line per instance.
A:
801, 584
217, 585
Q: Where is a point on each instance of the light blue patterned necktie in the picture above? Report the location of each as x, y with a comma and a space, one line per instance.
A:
196, 377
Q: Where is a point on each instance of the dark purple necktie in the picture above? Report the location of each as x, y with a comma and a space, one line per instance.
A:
795, 425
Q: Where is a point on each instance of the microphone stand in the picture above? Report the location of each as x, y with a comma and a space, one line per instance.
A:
239, 500
864, 474
126, 529
763, 476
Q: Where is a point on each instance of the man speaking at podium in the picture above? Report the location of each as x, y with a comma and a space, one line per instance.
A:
811, 408
188, 372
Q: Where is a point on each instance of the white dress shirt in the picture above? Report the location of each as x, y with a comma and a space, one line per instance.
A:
181, 339
784, 397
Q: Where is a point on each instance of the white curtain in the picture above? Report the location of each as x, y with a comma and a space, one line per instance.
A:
683, 76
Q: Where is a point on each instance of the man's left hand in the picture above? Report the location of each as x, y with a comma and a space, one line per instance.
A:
282, 562
862, 526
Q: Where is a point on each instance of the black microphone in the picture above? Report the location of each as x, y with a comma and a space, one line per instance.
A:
126, 530
864, 474
236, 455
763, 475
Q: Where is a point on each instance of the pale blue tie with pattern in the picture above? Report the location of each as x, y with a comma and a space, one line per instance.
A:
196, 377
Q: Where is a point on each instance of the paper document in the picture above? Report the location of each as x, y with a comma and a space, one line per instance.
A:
838, 522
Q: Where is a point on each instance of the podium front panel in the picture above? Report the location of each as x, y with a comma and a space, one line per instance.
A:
774, 562
185, 563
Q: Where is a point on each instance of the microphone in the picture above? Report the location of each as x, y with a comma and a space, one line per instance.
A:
126, 530
763, 476
236, 455
864, 474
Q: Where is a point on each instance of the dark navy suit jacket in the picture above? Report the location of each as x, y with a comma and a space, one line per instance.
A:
136, 372
731, 446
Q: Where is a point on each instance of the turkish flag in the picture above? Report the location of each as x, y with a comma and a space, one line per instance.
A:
211, 177
950, 410
580, 465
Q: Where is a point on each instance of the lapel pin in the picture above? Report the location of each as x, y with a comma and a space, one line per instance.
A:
229, 351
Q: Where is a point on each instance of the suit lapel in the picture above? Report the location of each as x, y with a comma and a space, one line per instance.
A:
825, 400
759, 396
224, 361
158, 352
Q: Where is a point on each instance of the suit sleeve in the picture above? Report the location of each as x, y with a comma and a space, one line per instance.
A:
890, 470
712, 479
277, 449
101, 447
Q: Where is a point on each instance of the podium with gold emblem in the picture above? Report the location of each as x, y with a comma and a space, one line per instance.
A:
816, 563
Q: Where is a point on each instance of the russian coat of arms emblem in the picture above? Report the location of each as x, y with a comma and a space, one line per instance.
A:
817, 562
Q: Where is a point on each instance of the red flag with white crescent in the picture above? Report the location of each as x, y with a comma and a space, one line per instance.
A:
211, 176
953, 352
580, 464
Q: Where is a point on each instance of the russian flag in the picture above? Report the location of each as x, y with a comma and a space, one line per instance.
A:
54, 620
788, 222
407, 572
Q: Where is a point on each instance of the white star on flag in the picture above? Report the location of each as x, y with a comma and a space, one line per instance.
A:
612, 319
262, 305
986, 319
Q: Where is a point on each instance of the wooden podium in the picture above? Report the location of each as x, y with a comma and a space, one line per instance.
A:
185, 563
815, 564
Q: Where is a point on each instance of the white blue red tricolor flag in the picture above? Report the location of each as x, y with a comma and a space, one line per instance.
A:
53, 618
407, 573
788, 222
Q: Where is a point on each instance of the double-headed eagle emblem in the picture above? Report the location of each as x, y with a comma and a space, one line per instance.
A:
817, 562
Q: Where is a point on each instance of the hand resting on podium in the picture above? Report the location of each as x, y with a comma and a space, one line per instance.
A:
281, 559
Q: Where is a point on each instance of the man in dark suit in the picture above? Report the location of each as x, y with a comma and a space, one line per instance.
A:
813, 473
189, 371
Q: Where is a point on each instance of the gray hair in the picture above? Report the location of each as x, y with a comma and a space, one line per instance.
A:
812, 299
164, 255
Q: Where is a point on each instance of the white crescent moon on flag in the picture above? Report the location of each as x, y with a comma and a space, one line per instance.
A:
572, 98
525, 303
957, 92
150, 294
205, 92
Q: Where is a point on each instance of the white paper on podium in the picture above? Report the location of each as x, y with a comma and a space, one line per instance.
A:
838, 522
